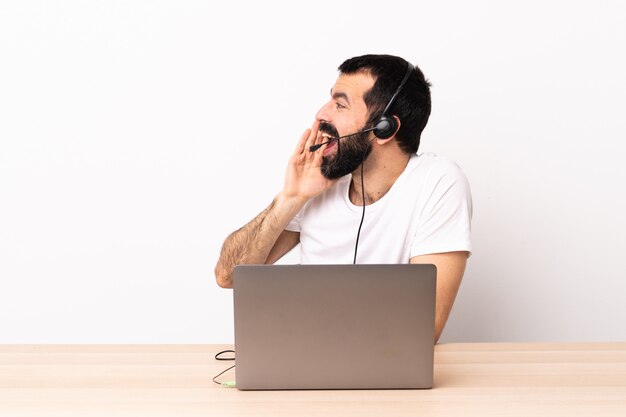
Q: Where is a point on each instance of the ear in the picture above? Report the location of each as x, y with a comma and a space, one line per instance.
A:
385, 141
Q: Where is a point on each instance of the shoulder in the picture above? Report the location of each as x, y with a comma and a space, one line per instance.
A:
434, 168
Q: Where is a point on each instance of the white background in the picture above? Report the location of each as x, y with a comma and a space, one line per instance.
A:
135, 135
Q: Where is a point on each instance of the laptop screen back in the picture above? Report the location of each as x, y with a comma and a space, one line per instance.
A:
334, 326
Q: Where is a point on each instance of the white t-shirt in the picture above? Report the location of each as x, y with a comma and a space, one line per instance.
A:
427, 210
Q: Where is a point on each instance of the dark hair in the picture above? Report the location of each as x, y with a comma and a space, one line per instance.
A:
412, 106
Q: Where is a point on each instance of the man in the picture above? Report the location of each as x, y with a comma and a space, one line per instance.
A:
417, 208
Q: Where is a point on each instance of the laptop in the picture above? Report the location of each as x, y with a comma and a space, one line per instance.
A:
334, 326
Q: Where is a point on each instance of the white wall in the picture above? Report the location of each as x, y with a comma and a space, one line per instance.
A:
134, 136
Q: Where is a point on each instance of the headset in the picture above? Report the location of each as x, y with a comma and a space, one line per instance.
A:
385, 127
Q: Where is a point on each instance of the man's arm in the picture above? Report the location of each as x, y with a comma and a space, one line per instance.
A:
450, 269
257, 240
264, 240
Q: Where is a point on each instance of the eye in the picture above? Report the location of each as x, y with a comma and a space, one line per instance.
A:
339, 106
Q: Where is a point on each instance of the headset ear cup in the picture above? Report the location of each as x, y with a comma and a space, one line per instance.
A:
386, 127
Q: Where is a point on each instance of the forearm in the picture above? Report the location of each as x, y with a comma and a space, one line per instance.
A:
450, 270
253, 242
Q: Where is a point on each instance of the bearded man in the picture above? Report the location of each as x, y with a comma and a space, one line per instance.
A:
357, 191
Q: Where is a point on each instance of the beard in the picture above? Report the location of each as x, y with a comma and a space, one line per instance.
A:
351, 152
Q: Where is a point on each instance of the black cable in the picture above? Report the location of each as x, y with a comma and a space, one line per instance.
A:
358, 233
217, 357
220, 374
224, 359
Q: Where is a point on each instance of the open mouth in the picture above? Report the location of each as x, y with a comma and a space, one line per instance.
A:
331, 142
328, 131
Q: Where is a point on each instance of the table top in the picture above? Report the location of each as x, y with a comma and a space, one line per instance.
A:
487, 379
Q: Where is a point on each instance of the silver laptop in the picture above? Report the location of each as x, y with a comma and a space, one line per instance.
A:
334, 326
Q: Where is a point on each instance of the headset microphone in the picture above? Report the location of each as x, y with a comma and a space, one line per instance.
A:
319, 145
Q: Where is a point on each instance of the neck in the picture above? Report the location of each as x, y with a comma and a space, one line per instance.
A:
380, 172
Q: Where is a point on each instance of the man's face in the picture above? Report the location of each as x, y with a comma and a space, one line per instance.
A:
344, 114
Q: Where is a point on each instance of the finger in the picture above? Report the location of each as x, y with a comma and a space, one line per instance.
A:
313, 135
317, 158
302, 142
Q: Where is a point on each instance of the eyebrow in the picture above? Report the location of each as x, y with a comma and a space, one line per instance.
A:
339, 95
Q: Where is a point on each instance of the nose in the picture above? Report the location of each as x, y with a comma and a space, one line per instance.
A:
323, 114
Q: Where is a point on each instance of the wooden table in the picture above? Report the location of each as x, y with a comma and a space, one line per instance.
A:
578, 379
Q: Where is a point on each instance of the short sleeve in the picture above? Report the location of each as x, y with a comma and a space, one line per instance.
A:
294, 224
444, 223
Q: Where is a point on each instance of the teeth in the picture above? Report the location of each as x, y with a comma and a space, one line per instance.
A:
326, 135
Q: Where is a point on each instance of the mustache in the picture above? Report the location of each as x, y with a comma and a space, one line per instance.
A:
329, 129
